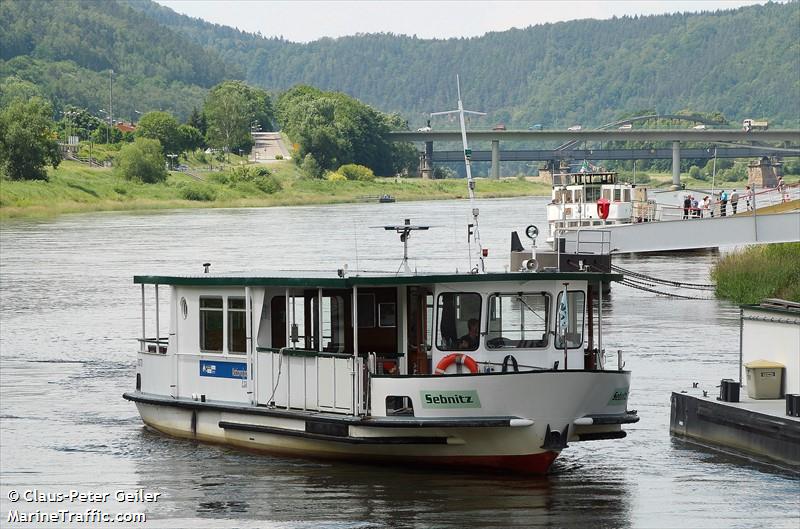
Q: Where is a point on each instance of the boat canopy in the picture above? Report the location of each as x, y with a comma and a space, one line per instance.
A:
327, 280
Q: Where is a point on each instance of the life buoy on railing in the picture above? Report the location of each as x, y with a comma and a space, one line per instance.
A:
459, 359
603, 207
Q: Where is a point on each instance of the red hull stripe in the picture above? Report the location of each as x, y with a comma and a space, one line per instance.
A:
524, 464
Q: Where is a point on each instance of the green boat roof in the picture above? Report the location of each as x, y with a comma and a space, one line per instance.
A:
328, 280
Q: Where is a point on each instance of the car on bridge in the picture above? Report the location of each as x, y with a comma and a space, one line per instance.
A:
575, 128
424, 129
499, 126
536, 126
626, 126
700, 127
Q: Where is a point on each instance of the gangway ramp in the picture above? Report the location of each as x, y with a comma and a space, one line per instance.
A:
690, 234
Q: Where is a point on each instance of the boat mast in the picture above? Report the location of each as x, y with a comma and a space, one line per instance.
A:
467, 162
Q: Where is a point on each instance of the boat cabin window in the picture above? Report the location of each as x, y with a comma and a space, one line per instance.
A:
459, 316
237, 341
578, 196
333, 311
518, 320
569, 319
626, 195
618, 194
211, 324
592, 193
607, 194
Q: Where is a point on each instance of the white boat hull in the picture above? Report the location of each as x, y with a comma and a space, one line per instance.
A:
521, 423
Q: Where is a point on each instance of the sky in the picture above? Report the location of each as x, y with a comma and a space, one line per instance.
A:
305, 21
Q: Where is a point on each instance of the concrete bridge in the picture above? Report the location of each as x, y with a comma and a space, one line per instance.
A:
675, 136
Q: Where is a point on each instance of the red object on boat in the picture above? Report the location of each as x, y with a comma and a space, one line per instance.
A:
603, 206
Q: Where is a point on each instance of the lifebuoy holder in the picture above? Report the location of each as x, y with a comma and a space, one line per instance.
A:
603, 208
459, 359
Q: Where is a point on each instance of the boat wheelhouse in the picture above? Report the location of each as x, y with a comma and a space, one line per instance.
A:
472, 371
592, 200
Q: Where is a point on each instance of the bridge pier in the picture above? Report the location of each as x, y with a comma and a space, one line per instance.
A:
495, 159
676, 165
426, 167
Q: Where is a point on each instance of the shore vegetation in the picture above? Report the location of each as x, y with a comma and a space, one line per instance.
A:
759, 272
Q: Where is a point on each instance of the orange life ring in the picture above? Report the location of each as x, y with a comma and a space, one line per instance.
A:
458, 359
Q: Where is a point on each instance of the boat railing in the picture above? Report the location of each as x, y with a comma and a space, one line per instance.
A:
310, 380
153, 345
595, 242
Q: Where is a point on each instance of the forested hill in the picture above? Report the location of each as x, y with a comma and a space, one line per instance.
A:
742, 63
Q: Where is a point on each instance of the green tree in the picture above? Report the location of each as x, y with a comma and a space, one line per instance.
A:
163, 127
231, 108
28, 140
311, 167
191, 138
142, 160
198, 120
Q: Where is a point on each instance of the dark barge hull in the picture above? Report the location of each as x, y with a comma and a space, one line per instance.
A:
766, 436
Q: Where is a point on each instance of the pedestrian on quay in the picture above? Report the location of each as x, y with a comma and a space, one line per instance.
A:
706, 203
734, 200
695, 208
687, 203
748, 196
723, 203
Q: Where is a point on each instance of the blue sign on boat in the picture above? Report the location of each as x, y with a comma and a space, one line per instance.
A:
212, 368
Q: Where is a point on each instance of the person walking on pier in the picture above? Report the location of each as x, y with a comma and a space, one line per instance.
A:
734, 200
723, 203
706, 203
748, 197
687, 203
695, 207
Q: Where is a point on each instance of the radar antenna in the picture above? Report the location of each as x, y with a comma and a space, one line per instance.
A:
467, 161
404, 230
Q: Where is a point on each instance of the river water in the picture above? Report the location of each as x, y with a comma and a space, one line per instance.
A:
69, 315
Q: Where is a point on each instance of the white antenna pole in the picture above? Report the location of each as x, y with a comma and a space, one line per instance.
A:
468, 164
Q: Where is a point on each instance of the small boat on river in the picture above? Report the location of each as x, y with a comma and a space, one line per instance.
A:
472, 371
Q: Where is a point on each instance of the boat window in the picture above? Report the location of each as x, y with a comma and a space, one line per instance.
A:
618, 194
297, 322
518, 320
333, 312
578, 195
592, 194
237, 341
626, 195
607, 194
569, 319
366, 311
211, 324
459, 316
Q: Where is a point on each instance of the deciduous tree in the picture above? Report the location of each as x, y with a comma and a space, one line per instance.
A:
28, 140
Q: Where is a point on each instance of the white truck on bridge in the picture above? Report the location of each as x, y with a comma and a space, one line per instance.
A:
752, 124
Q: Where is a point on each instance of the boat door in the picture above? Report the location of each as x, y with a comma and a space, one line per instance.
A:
420, 324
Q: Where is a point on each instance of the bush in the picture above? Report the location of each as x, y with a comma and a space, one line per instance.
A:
279, 157
694, 172
120, 190
261, 177
353, 171
142, 160
198, 192
336, 177
759, 272
219, 178
311, 167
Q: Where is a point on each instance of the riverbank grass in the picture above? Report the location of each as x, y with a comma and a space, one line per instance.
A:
759, 272
74, 187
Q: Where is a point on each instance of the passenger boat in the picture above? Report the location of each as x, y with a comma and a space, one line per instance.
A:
471, 371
